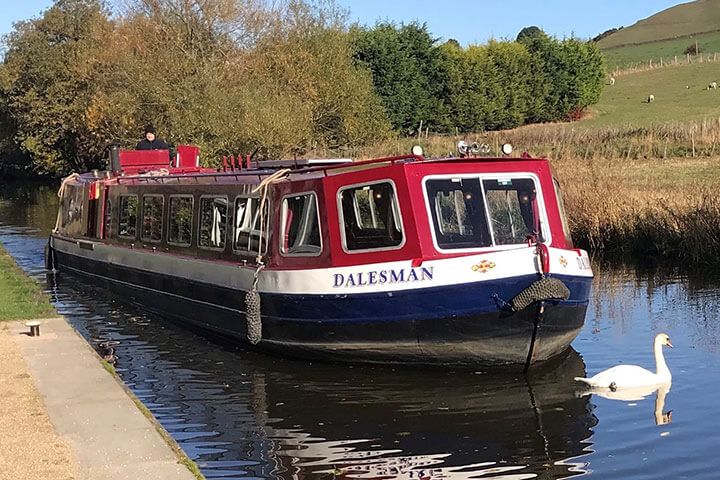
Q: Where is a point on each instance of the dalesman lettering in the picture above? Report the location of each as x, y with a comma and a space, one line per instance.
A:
381, 277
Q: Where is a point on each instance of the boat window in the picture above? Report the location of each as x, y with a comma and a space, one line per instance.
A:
127, 222
244, 216
371, 217
152, 218
181, 214
247, 224
458, 213
72, 209
474, 213
300, 225
107, 213
213, 222
512, 209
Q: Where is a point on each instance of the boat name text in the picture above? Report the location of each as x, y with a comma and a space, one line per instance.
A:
381, 277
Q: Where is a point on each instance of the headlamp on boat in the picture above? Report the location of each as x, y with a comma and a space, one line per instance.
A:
507, 149
473, 149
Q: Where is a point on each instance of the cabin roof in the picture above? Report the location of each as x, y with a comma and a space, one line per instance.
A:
299, 169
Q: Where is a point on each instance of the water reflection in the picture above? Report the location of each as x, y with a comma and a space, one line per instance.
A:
244, 414
29, 206
636, 394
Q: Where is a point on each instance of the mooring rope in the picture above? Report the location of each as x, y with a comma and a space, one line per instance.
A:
61, 192
252, 298
264, 188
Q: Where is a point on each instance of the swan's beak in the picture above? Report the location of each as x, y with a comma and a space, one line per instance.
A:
668, 343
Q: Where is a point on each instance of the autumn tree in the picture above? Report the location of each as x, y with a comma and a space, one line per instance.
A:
48, 77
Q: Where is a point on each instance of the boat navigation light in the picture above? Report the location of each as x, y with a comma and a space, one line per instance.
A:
507, 149
417, 150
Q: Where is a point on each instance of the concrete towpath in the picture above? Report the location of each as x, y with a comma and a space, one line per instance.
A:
110, 437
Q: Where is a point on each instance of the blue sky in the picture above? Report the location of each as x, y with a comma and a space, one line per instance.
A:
468, 21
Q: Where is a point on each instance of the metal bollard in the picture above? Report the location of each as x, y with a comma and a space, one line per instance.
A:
34, 328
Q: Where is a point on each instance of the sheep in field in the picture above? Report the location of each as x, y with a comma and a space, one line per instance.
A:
650, 98
712, 86
612, 80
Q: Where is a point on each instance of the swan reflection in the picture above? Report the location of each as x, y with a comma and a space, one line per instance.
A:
636, 394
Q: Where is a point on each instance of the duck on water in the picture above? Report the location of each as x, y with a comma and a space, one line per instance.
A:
402, 259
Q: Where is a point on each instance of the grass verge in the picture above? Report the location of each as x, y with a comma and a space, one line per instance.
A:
20, 297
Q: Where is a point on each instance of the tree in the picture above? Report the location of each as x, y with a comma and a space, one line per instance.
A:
567, 75
528, 34
229, 76
48, 78
408, 73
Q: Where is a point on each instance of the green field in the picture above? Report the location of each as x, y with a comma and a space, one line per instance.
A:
681, 95
638, 55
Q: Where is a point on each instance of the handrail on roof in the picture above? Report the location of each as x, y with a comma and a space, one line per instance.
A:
259, 172
392, 160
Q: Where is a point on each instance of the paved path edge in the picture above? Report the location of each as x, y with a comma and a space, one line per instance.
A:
113, 435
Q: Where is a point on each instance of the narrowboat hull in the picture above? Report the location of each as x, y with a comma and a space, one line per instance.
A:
461, 324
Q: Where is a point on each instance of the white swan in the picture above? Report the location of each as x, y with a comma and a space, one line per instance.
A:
632, 376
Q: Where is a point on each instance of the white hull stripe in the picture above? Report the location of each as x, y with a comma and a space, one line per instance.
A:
371, 278
153, 290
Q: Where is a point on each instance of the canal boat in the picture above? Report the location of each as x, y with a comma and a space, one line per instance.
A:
405, 259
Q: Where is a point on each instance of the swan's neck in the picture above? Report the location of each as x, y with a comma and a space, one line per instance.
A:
662, 369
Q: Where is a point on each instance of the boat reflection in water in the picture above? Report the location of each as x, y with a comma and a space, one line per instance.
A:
242, 414
369, 423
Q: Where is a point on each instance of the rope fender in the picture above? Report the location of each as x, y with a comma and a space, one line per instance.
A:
547, 288
253, 313
252, 316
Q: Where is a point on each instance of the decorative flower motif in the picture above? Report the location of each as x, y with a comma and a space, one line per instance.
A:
484, 266
563, 262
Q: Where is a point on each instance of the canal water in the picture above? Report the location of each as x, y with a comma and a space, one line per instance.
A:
244, 415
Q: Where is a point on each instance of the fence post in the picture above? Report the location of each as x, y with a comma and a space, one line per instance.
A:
692, 139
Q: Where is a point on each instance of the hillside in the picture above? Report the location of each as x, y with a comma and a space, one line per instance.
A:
635, 55
682, 20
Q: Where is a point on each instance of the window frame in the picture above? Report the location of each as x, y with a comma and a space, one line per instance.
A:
192, 209
119, 211
481, 177
162, 218
108, 211
283, 212
247, 197
396, 210
563, 214
199, 223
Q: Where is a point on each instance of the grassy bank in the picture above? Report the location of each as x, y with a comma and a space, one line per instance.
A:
20, 297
